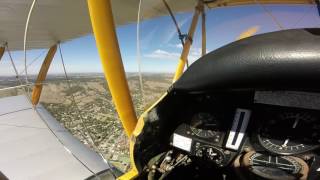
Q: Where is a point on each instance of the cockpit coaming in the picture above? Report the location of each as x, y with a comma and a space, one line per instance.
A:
256, 118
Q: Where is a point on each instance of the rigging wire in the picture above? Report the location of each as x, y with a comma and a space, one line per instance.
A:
75, 104
15, 87
13, 65
303, 16
28, 96
34, 60
27, 83
25, 89
139, 55
25, 42
73, 100
23, 85
63, 145
274, 19
181, 36
52, 131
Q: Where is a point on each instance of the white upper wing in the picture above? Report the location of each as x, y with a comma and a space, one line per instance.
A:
63, 20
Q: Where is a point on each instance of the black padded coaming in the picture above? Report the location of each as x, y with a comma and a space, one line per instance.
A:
288, 59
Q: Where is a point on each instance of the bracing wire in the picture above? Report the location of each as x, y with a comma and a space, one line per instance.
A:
13, 65
73, 99
181, 36
174, 21
94, 145
139, 54
15, 87
25, 89
24, 85
302, 16
64, 146
36, 110
274, 19
25, 42
27, 83
281, 27
33, 61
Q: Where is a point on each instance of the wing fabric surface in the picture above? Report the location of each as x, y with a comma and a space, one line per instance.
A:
30, 150
63, 20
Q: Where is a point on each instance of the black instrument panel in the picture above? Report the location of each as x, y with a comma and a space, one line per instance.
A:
278, 130
271, 136
273, 131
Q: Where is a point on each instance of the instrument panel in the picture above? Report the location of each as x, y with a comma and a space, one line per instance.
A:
270, 132
282, 131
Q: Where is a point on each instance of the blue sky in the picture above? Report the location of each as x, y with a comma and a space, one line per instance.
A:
160, 46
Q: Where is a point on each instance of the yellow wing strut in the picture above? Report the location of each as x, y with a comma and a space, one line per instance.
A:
249, 32
204, 33
2, 49
188, 42
108, 48
36, 92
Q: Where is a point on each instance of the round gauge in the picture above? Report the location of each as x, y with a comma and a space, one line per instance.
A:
275, 167
290, 133
203, 125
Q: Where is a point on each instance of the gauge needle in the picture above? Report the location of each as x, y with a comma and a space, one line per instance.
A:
294, 126
285, 143
295, 123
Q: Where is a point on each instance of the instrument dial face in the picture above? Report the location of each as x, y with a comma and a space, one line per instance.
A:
203, 125
290, 133
274, 167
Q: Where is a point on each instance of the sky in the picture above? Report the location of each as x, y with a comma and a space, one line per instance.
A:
159, 43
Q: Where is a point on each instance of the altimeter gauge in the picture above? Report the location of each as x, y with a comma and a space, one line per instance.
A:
290, 133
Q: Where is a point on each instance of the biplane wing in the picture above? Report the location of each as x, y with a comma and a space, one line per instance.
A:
55, 21
33, 145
